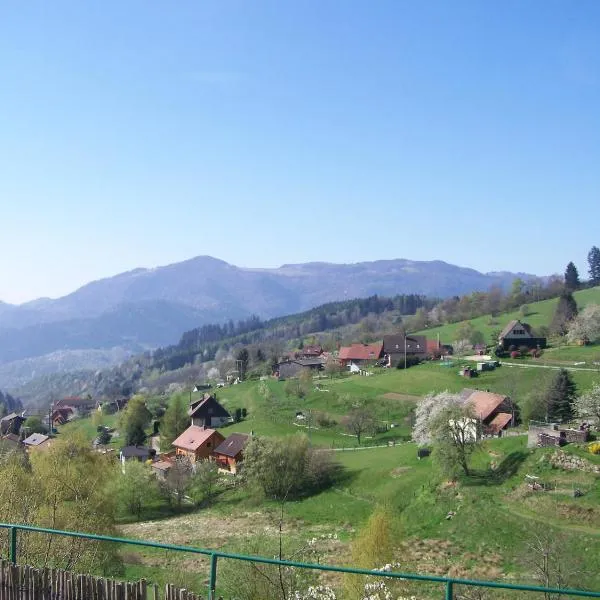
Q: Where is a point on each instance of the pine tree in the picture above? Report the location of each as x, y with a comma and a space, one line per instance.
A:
594, 265
566, 311
571, 277
561, 396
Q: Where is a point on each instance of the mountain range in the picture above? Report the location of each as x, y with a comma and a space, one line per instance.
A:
141, 309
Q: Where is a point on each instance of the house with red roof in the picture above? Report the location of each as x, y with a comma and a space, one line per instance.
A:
495, 412
197, 443
355, 356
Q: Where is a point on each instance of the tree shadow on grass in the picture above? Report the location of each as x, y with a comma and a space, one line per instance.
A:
505, 470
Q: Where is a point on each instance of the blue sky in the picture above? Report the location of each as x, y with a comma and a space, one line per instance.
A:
139, 133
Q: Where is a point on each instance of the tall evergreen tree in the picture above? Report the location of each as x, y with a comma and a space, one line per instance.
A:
571, 277
594, 265
566, 311
561, 396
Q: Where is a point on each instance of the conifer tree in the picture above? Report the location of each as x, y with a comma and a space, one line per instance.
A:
175, 421
561, 397
571, 277
594, 265
566, 311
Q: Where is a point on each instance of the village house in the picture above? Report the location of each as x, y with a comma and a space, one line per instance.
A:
10, 441
197, 443
519, 334
495, 412
80, 406
60, 416
139, 453
294, 367
229, 453
355, 356
36, 442
310, 352
395, 347
207, 412
11, 423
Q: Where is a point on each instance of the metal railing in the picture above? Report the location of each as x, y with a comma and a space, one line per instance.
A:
214, 555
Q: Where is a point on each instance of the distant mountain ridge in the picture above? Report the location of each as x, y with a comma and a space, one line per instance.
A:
146, 308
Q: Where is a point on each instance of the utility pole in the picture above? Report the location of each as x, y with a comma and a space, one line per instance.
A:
405, 347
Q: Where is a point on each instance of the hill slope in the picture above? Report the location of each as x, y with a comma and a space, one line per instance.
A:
146, 308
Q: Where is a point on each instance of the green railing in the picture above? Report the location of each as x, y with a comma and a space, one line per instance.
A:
214, 555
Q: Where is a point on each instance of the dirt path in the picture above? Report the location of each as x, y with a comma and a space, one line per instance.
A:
530, 366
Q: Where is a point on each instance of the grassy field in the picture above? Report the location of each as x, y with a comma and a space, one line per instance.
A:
541, 314
495, 515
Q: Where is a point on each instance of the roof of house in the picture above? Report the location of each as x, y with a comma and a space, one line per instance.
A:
311, 350
11, 416
504, 333
201, 407
499, 422
35, 439
309, 362
396, 343
361, 351
233, 445
136, 452
485, 403
74, 402
193, 437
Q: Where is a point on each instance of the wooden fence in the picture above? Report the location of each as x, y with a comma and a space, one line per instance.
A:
19, 582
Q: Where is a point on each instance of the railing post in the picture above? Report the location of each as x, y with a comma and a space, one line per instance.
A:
12, 536
212, 581
449, 590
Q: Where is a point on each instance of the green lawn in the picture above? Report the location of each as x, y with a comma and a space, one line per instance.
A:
85, 427
541, 314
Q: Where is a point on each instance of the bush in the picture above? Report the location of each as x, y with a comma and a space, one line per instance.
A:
499, 352
524, 350
594, 448
535, 353
237, 415
411, 361
515, 354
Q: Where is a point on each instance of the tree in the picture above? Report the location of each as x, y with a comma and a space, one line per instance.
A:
34, 424
571, 277
455, 434
594, 265
242, 358
586, 325
135, 488
588, 405
286, 468
372, 548
477, 338
135, 418
566, 311
178, 480
426, 412
104, 437
464, 331
561, 397
359, 421
64, 487
461, 347
333, 367
175, 421
203, 484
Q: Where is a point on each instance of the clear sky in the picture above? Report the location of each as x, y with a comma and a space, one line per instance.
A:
140, 133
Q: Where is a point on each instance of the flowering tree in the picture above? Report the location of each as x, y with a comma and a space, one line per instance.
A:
586, 325
588, 405
426, 412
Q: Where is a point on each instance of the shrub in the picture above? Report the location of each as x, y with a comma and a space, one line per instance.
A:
524, 350
594, 448
515, 354
237, 415
411, 361
535, 352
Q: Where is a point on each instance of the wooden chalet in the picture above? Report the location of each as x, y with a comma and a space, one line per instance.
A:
11, 423
395, 347
519, 334
207, 412
230, 453
197, 443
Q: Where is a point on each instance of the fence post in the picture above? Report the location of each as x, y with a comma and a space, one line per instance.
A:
212, 582
12, 536
449, 590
